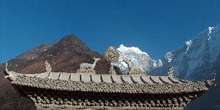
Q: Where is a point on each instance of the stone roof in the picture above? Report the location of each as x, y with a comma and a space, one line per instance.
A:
108, 78
90, 82
87, 80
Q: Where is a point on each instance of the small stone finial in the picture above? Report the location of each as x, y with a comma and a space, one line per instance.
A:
112, 70
111, 55
214, 77
133, 70
6, 67
11, 76
170, 71
48, 66
212, 82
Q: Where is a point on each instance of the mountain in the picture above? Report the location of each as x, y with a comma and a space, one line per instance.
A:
197, 60
136, 57
64, 56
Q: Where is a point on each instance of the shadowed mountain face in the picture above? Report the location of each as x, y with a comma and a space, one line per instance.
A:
64, 56
210, 100
197, 60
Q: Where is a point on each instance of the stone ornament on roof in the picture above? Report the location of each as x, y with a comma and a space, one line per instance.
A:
48, 67
211, 82
111, 55
10, 75
87, 67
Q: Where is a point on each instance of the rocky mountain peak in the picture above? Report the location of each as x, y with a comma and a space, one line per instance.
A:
69, 44
71, 40
65, 55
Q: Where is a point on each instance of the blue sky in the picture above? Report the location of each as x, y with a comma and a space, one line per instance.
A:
155, 26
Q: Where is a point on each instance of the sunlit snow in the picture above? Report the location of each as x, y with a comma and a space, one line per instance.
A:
123, 48
188, 45
210, 32
169, 56
136, 58
157, 63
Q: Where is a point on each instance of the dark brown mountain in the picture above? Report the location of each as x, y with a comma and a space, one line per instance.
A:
65, 55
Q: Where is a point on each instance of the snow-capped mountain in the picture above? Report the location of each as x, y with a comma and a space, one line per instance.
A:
136, 57
196, 60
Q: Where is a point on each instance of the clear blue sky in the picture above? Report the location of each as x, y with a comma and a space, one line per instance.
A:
155, 26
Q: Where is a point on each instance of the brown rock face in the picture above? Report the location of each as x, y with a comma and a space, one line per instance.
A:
64, 56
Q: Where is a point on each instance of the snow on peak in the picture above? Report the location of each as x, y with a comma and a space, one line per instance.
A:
123, 48
136, 57
158, 63
200, 59
210, 29
210, 32
188, 45
169, 56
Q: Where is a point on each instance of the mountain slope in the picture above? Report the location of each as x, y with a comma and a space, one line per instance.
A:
64, 56
211, 100
197, 59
